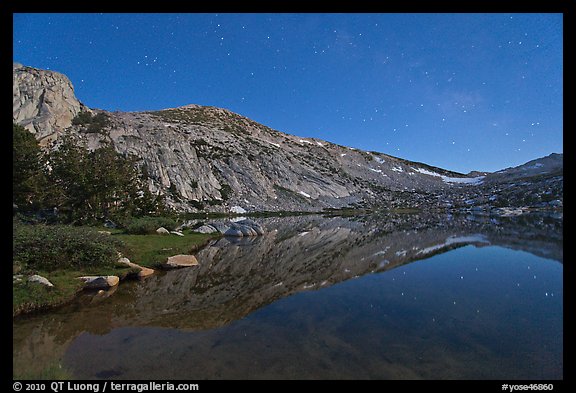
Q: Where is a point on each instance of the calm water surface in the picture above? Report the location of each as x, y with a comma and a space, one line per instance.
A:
389, 297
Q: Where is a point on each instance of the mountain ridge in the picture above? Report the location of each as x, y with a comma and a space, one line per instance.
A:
205, 158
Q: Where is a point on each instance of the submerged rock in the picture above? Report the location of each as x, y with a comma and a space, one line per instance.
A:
99, 282
181, 260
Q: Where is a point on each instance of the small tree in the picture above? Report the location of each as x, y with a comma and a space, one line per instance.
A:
92, 185
26, 167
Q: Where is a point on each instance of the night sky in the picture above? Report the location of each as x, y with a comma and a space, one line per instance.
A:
459, 91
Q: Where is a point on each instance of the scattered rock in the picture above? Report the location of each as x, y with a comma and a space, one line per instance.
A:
177, 233
40, 280
162, 231
16, 278
206, 229
105, 232
99, 282
182, 260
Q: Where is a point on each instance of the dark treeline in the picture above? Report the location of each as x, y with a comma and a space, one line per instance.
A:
72, 184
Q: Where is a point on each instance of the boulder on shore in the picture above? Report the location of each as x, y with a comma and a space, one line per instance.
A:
40, 280
177, 233
162, 231
219, 226
244, 228
206, 229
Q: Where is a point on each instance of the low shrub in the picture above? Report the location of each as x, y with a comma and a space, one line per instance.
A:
148, 225
53, 247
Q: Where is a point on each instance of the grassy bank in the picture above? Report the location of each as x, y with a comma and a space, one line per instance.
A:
63, 253
152, 250
28, 296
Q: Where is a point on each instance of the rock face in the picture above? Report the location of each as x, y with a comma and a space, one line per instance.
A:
210, 159
43, 101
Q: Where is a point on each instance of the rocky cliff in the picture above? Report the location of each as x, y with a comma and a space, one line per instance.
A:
43, 101
211, 159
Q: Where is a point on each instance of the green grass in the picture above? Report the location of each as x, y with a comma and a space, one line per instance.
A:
152, 250
63, 253
30, 296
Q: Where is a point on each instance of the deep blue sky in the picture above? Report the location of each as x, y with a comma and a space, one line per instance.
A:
460, 91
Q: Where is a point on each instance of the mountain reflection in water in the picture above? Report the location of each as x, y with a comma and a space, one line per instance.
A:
212, 329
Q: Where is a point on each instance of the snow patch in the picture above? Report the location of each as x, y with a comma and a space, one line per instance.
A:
475, 238
305, 141
426, 172
304, 194
237, 210
376, 170
274, 144
397, 169
379, 160
464, 180
447, 179
319, 144
381, 252
342, 155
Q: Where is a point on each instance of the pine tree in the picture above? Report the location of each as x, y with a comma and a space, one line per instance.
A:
26, 168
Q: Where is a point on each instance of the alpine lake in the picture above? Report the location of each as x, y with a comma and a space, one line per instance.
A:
388, 296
